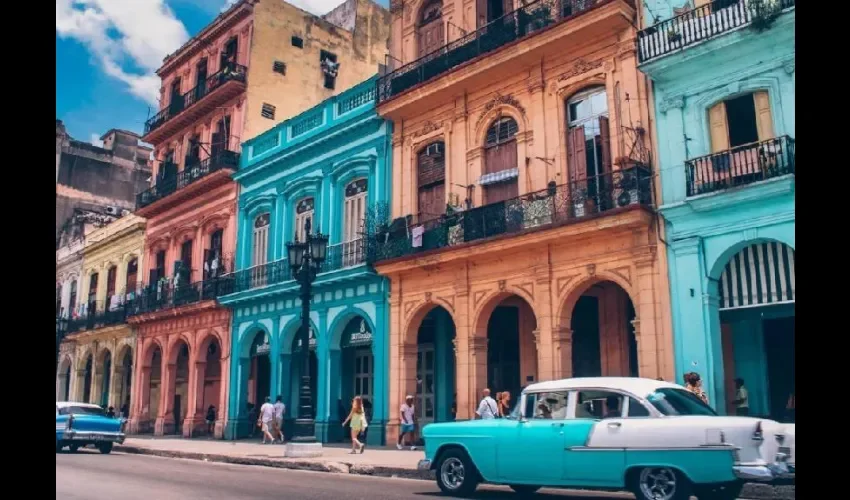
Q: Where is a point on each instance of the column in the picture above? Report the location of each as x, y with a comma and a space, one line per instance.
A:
165, 420
338, 377
673, 149
274, 367
140, 400
648, 329
195, 410
443, 383
198, 255
221, 406
538, 128
277, 240
237, 422
477, 374
380, 372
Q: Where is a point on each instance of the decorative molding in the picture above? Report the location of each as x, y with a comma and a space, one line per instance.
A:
676, 102
528, 288
427, 128
580, 67
623, 272
751, 233
427, 296
449, 300
789, 66
477, 297
563, 282
591, 269
502, 285
500, 100
734, 87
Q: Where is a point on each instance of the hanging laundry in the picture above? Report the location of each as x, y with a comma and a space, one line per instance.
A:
416, 233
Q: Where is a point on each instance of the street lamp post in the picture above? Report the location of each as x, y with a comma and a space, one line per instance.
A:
305, 261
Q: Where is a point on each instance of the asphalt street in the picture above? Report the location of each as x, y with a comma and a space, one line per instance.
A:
91, 476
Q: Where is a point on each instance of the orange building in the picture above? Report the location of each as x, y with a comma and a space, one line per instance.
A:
521, 241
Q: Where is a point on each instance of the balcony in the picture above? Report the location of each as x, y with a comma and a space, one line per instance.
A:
166, 296
552, 207
530, 20
216, 90
226, 160
740, 166
340, 256
103, 316
698, 25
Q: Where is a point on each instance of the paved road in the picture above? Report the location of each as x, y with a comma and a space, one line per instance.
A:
89, 475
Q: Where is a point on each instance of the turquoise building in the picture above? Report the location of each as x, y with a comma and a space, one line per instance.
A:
723, 79
326, 165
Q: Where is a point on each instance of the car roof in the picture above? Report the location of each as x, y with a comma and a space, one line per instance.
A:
635, 385
65, 404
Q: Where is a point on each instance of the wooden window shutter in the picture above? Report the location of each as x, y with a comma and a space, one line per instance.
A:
481, 12
764, 118
605, 139
576, 156
700, 3
718, 127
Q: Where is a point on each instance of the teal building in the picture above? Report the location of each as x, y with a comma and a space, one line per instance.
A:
723, 77
325, 165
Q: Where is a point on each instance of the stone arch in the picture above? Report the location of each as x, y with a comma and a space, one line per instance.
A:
290, 329
488, 117
149, 347
482, 313
246, 338
65, 361
414, 321
716, 268
206, 338
338, 324
173, 352
569, 298
82, 355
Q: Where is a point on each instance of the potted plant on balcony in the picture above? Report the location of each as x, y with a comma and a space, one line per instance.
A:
673, 36
579, 195
764, 13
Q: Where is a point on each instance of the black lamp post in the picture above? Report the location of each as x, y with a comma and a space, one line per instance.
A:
305, 260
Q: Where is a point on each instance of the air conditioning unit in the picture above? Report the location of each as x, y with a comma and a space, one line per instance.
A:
435, 150
113, 210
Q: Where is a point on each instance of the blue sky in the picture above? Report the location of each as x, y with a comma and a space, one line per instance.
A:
107, 52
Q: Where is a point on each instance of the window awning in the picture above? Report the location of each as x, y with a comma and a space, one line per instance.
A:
760, 274
500, 176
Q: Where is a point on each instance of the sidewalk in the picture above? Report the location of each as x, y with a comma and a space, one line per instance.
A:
385, 461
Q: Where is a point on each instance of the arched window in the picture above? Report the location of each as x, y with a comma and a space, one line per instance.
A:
132, 276
304, 211
431, 180
501, 169
430, 29
72, 301
111, 278
261, 239
588, 136
58, 300
354, 212
92, 304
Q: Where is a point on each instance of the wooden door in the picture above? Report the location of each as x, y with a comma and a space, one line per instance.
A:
431, 37
496, 159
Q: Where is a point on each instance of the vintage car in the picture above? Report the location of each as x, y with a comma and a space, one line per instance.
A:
653, 438
83, 424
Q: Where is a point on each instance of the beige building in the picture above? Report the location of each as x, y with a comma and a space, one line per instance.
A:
96, 359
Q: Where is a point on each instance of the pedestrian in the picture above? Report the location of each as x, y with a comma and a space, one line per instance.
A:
504, 404
279, 411
125, 410
357, 417
791, 406
741, 403
408, 422
252, 417
367, 409
210, 420
487, 408
110, 412
266, 419
693, 383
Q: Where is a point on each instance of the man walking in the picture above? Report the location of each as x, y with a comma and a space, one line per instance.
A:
279, 410
742, 399
487, 408
266, 419
408, 422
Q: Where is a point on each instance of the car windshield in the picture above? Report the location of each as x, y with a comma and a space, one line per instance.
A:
670, 401
82, 410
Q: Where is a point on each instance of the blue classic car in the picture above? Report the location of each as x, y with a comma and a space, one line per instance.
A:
83, 424
652, 438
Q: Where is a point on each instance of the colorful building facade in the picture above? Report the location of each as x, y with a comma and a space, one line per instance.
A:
521, 240
723, 76
255, 62
325, 165
96, 365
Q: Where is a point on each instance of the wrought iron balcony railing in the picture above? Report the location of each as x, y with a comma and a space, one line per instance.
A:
168, 295
740, 165
699, 24
340, 256
515, 25
231, 72
191, 173
549, 207
100, 314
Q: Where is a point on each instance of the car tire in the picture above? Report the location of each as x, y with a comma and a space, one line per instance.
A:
525, 489
59, 446
105, 448
456, 474
725, 491
73, 448
660, 483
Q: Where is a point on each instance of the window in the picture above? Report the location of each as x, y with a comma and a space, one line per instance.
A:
228, 55
132, 275
111, 278
599, 404
330, 68
588, 137
279, 67
430, 30
354, 212
500, 179
547, 405
261, 239
193, 155
220, 140
297, 41
176, 97
186, 254
82, 410
201, 75
213, 265
636, 409
268, 111
58, 300
72, 302
670, 401
92, 304
431, 179
740, 120
303, 213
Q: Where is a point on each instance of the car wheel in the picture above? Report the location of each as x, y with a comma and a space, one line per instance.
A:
456, 475
73, 448
660, 483
105, 448
59, 446
725, 491
524, 489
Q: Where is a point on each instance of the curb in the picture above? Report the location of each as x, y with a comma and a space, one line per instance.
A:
754, 491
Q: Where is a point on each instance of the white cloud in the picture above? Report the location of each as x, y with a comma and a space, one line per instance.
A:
228, 4
95, 140
128, 39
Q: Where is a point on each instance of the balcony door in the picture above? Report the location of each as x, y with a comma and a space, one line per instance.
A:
353, 214
589, 146
431, 30
201, 79
500, 179
431, 177
111, 279
221, 136
92, 307
228, 55
176, 104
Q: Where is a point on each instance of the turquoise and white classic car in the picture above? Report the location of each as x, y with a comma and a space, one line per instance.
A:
652, 438
83, 424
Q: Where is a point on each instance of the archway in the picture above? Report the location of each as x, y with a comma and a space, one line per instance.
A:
756, 306
87, 379
603, 334
436, 397
210, 389
125, 372
296, 373
511, 348
357, 366
64, 392
259, 378
151, 390
180, 404
106, 382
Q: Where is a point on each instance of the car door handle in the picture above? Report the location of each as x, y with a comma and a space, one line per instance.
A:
561, 424
614, 425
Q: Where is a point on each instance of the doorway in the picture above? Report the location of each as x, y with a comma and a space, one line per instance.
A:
503, 351
779, 342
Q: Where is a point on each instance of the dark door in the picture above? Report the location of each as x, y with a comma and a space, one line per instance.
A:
178, 410
498, 158
201, 79
503, 351
779, 342
176, 103
585, 326
431, 37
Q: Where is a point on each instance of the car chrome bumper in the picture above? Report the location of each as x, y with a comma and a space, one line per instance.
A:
761, 473
94, 437
424, 465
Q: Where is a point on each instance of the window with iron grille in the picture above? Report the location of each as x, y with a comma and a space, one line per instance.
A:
279, 67
268, 111
297, 41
